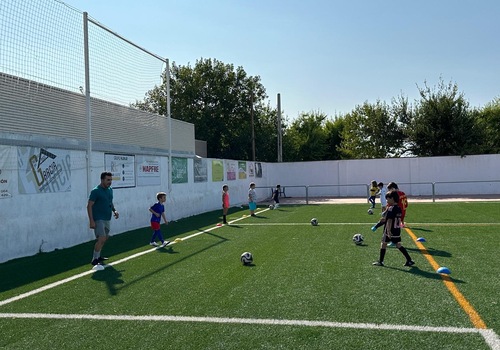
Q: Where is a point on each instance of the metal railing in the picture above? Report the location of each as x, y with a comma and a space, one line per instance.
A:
433, 190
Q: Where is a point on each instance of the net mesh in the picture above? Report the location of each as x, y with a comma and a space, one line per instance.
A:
43, 41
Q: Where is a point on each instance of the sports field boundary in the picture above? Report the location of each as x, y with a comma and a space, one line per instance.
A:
489, 336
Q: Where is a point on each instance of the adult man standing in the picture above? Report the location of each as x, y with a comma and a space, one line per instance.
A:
99, 209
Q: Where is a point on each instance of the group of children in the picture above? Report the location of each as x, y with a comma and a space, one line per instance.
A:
394, 203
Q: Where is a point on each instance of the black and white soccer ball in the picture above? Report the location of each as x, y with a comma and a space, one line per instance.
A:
314, 222
370, 211
358, 238
271, 206
246, 258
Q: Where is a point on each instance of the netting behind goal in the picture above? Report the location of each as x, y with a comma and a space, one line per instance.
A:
43, 41
43, 80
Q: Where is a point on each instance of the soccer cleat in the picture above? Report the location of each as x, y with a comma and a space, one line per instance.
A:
253, 215
378, 263
409, 263
164, 244
391, 244
102, 258
154, 244
225, 222
95, 262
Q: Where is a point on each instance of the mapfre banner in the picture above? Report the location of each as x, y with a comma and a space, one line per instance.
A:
43, 170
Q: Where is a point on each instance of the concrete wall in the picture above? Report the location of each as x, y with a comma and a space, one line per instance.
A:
42, 222
347, 178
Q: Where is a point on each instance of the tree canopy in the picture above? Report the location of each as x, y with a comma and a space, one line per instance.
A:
222, 101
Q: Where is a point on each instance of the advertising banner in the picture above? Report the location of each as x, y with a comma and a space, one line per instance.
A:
7, 171
148, 171
122, 167
43, 170
179, 170
217, 170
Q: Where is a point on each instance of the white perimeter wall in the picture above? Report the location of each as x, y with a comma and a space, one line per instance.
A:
347, 178
46, 221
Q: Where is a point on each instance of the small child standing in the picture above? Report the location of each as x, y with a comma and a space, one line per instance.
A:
252, 196
382, 191
373, 193
276, 196
158, 211
392, 229
225, 203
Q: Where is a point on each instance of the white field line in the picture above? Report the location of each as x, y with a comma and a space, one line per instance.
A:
133, 256
410, 225
489, 336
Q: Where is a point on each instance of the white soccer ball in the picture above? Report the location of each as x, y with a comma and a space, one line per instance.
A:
271, 207
314, 222
246, 258
370, 211
358, 238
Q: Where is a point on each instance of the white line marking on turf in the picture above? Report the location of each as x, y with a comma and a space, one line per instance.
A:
72, 278
490, 336
410, 225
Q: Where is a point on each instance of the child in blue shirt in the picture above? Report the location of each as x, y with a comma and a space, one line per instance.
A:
158, 211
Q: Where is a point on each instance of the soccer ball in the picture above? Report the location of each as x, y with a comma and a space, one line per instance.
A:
358, 238
246, 258
271, 207
370, 211
314, 222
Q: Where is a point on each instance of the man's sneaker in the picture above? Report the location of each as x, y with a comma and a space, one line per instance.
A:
409, 263
154, 244
95, 262
164, 244
378, 263
102, 259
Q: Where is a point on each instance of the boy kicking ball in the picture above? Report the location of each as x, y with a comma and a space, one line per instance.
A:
392, 229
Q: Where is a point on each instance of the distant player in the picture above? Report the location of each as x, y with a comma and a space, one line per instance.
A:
252, 199
382, 192
276, 196
392, 229
373, 193
225, 203
403, 200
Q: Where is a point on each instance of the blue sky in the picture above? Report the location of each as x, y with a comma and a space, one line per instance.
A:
324, 55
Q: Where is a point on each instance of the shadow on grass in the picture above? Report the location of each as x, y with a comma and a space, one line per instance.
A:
111, 277
166, 266
420, 229
60, 261
432, 251
415, 270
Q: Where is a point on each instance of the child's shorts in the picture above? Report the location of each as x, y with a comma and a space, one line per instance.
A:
252, 205
155, 225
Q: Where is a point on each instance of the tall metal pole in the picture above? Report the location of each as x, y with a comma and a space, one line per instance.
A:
278, 125
169, 129
87, 100
253, 128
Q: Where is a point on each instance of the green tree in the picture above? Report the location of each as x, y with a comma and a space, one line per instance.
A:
489, 122
218, 99
306, 139
371, 131
334, 130
443, 124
